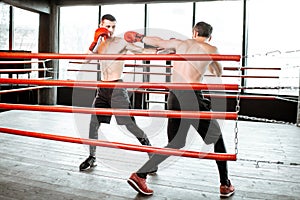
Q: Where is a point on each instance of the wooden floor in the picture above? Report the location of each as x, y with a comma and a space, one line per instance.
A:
268, 165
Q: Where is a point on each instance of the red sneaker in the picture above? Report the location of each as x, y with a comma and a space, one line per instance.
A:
226, 191
139, 184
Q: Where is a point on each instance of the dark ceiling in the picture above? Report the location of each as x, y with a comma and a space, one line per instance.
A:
44, 6
105, 2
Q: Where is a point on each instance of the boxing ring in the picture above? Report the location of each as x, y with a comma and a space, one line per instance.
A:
41, 83
131, 112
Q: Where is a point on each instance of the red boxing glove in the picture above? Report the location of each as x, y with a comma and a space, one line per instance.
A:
131, 37
100, 32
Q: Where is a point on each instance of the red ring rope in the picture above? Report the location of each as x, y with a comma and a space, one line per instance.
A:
144, 73
243, 76
169, 74
124, 112
69, 83
147, 65
251, 68
175, 57
4, 71
8, 62
209, 95
20, 90
148, 149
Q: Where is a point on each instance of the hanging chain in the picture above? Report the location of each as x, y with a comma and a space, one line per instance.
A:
273, 53
237, 110
257, 119
236, 129
272, 88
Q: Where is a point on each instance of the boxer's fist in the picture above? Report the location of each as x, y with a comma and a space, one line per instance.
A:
104, 32
131, 37
100, 32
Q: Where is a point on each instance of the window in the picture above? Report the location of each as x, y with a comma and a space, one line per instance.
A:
128, 16
26, 30
72, 42
76, 32
175, 20
273, 41
128, 22
4, 26
26, 34
226, 18
272, 37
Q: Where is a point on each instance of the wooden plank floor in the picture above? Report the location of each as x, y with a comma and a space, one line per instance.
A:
268, 165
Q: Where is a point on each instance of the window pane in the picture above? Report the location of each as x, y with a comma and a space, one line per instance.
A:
167, 20
4, 26
273, 39
26, 34
128, 16
128, 22
76, 32
226, 18
175, 18
26, 30
174, 21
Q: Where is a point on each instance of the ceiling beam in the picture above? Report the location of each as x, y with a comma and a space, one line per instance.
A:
110, 2
31, 5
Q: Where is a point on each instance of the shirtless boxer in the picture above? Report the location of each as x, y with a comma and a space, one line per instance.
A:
186, 72
111, 71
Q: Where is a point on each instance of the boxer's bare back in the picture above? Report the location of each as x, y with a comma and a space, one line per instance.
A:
188, 71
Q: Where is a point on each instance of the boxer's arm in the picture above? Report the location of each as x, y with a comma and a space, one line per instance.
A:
132, 37
94, 46
159, 42
165, 51
139, 50
149, 51
215, 68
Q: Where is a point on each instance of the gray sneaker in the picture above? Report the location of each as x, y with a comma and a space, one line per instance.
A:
89, 163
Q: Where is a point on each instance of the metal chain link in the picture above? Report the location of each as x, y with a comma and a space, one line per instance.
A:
272, 88
265, 120
273, 53
236, 140
237, 110
257, 162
